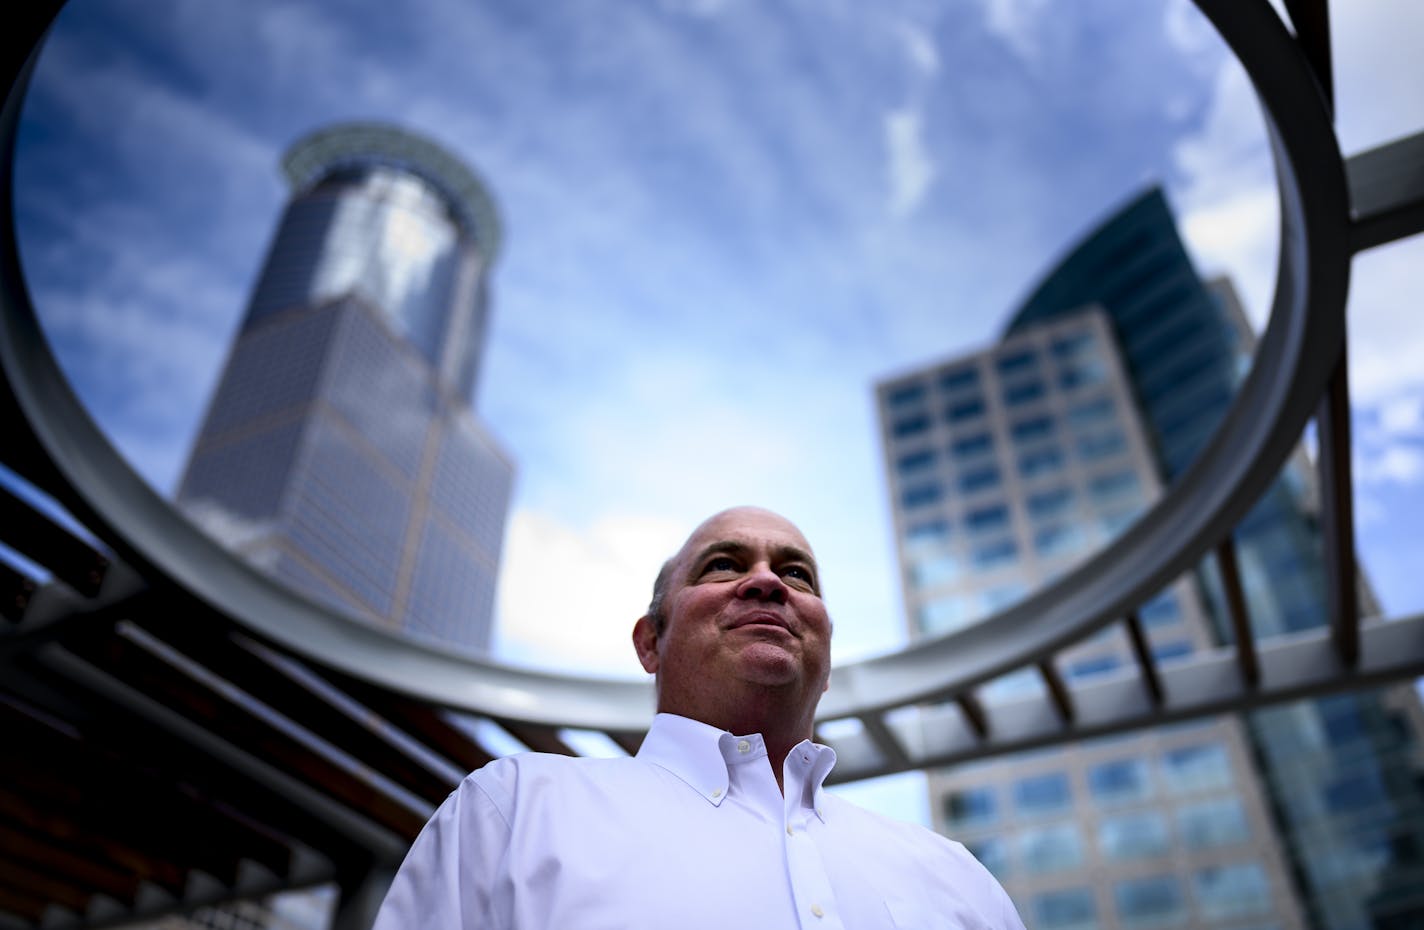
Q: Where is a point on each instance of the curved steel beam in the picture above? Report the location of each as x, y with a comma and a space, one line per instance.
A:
1304, 337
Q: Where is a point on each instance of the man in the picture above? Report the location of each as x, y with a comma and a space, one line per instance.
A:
720, 820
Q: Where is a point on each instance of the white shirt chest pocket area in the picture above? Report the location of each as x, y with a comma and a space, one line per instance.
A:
925, 915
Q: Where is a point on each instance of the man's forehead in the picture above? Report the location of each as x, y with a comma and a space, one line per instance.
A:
746, 526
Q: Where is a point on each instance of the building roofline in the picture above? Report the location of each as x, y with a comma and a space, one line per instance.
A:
363, 144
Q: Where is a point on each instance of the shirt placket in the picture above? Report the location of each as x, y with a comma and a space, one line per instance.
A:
810, 886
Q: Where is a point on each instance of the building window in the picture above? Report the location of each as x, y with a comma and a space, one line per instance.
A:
1025, 392
1133, 836
1043, 794
1209, 824
1155, 901
914, 462
1058, 539
905, 395
1162, 610
1098, 446
1084, 373
966, 808
910, 426
1172, 651
1191, 769
1093, 666
1050, 503
1054, 848
987, 519
958, 379
934, 570
1069, 909
979, 479
944, 615
995, 554
927, 532
1112, 484
1017, 362
1091, 412
1119, 781
1229, 891
971, 447
970, 409
1075, 344
1045, 461
993, 854
920, 495
1032, 429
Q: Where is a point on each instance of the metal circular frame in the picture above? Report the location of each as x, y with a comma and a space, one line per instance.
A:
1301, 344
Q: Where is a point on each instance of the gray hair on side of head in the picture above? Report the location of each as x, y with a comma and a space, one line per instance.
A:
656, 606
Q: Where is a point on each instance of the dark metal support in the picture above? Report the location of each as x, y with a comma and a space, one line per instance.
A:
1057, 690
37, 538
361, 898
885, 740
1337, 514
1311, 19
974, 714
1151, 680
1236, 606
1386, 192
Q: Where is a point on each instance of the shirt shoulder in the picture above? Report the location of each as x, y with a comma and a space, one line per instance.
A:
504, 782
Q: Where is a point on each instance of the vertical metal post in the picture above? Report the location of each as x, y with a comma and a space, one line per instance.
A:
1337, 514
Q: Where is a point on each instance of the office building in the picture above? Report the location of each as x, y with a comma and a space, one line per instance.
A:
341, 452
1009, 465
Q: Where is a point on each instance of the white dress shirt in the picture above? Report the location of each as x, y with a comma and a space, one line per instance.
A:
690, 833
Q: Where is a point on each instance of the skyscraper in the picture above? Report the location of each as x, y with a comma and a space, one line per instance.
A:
1009, 465
340, 451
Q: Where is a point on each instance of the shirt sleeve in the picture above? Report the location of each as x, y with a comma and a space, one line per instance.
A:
449, 877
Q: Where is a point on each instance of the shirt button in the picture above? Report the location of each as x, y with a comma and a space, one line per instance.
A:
743, 746
806, 760
790, 830
816, 910
717, 793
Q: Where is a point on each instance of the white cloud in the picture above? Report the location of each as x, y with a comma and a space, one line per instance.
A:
920, 47
568, 595
1016, 22
1401, 464
910, 167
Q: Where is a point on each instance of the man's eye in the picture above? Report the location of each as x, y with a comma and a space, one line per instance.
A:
800, 574
721, 564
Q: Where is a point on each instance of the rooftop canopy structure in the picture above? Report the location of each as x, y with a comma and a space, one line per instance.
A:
162, 701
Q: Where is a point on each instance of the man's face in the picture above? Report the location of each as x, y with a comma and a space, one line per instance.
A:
743, 606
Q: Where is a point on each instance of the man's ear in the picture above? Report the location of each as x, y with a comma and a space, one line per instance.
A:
645, 641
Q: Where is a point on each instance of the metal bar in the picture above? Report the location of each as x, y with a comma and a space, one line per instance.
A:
1151, 680
1294, 667
1337, 514
1236, 606
16, 590
537, 737
1311, 19
974, 714
37, 537
1057, 690
358, 829
1386, 192
885, 740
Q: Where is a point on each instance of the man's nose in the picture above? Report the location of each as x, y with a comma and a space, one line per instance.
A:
762, 584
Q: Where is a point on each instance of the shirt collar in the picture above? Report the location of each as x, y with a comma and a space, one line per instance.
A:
700, 754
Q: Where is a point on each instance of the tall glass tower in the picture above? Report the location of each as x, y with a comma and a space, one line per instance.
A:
1109, 380
341, 452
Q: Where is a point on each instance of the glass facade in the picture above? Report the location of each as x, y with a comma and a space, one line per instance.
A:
340, 452
1329, 786
1108, 382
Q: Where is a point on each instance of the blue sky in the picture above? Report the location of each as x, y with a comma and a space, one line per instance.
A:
725, 219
